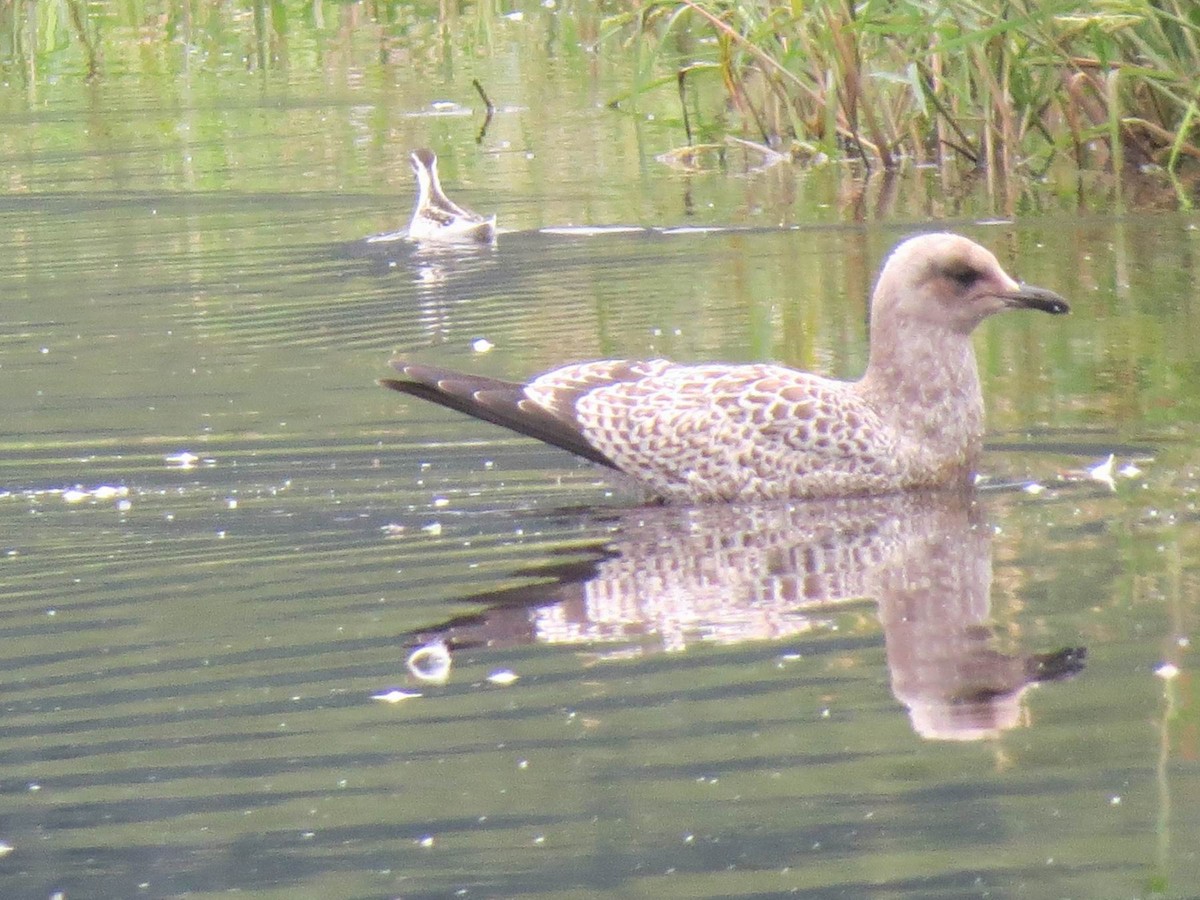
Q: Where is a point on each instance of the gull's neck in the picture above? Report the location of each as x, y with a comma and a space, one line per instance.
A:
923, 380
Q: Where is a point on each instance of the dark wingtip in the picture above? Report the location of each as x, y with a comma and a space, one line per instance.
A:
492, 400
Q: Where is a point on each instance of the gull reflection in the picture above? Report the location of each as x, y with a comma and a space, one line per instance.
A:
671, 577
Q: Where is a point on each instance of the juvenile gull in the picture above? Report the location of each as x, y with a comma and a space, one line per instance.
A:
714, 432
435, 216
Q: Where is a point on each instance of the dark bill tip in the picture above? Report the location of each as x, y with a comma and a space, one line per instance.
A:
1030, 297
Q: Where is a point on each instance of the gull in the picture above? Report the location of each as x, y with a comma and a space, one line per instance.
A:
710, 432
436, 217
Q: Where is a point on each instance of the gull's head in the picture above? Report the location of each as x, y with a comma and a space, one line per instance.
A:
951, 282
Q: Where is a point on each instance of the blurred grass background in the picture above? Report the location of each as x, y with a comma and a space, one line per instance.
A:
1008, 86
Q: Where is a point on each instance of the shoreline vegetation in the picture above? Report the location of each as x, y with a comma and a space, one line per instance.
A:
1003, 85
1006, 88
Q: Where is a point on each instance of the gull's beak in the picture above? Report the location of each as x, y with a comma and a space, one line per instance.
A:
1026, 296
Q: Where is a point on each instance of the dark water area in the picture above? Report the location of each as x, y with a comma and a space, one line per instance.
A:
271, 629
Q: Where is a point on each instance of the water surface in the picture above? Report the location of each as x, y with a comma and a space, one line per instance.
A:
222, 541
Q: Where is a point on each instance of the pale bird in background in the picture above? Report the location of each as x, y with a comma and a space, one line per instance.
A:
436, 217
714, 432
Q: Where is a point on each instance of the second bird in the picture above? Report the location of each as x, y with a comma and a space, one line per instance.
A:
435, 216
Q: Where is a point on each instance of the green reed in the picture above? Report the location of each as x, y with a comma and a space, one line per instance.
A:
1002, 84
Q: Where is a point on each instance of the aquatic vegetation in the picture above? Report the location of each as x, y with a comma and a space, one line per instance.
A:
1002, 85
1018, 86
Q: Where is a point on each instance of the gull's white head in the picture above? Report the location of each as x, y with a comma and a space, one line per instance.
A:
950, 282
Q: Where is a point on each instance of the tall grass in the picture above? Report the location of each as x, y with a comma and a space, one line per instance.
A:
1002, 84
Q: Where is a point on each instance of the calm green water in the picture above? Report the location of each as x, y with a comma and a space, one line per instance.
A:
221, 541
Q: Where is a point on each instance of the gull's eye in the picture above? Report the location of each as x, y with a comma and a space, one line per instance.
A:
962, 275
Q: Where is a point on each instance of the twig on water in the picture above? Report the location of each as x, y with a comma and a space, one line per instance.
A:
482, 93
487, 102
687, 125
